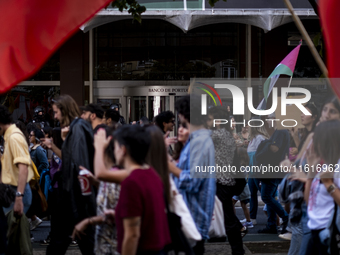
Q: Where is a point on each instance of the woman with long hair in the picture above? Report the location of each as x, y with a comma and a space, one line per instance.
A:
157, 157
182, 138
73, 207
322, 187
302, 236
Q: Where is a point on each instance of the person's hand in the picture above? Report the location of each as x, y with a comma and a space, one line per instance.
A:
64, 132
286, 162
169, 140
46, 143
18, 207
93, 180
298, 175
100, 140
79, 229
294, 132
109, 216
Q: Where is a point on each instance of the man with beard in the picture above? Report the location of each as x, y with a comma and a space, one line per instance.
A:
93, 113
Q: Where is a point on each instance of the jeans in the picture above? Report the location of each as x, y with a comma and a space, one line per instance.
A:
268, 191
253, 184
316, 247
295, 243
307, 233
231, 222
27, 200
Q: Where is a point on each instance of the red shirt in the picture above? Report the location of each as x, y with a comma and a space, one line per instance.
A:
142, 195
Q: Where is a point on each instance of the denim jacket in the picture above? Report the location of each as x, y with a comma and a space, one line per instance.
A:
39, 157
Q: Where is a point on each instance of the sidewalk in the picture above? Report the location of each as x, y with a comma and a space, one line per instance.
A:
257, 248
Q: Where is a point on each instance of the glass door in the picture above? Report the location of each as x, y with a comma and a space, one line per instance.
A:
158, 104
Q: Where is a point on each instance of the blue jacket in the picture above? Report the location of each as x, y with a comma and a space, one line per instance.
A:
39, 157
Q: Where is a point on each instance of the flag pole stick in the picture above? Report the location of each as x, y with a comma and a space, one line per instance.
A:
309, 42
307, 39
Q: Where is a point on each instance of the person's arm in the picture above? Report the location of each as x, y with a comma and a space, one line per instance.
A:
48, 143
22, 180
131, 235
100, 170
79, 229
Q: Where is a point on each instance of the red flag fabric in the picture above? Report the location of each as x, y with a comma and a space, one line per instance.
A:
32, 30
330, 23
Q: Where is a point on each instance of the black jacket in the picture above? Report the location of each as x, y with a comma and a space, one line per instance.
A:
77, 150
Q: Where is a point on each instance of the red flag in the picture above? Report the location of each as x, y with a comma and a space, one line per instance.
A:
32, 30
330, 23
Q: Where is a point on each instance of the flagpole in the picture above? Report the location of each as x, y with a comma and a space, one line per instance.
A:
310, 44
306, 37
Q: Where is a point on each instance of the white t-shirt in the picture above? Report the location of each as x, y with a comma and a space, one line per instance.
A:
320, 203
255, 143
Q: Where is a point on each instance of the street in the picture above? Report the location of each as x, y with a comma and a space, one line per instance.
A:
254, 243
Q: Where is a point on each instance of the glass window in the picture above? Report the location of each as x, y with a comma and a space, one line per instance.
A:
105, 103
158, 50
137, 108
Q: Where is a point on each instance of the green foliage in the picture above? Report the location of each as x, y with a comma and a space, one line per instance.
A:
133, 7
213, 2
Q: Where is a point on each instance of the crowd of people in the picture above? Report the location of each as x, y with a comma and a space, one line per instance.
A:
115, 188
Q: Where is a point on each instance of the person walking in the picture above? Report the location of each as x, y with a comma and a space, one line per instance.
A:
72, 206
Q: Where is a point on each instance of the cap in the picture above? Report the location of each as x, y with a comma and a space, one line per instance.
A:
93, 108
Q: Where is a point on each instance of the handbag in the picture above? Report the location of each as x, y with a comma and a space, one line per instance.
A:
179, 207
217, 228
7, 194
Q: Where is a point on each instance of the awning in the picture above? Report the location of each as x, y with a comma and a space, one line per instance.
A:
267, 19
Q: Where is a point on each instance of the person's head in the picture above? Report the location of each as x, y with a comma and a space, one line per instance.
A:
309, 121
65, 110
115, 107
21, 125
48, 132
218, 112
5, 119
255, 131
165, 121
144, 121
326, 141
35, 136
243, 156
131, 144
111, 117
245, 128
183, 133
159, 162
189, 103
92, 113
330, 109
38, 112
